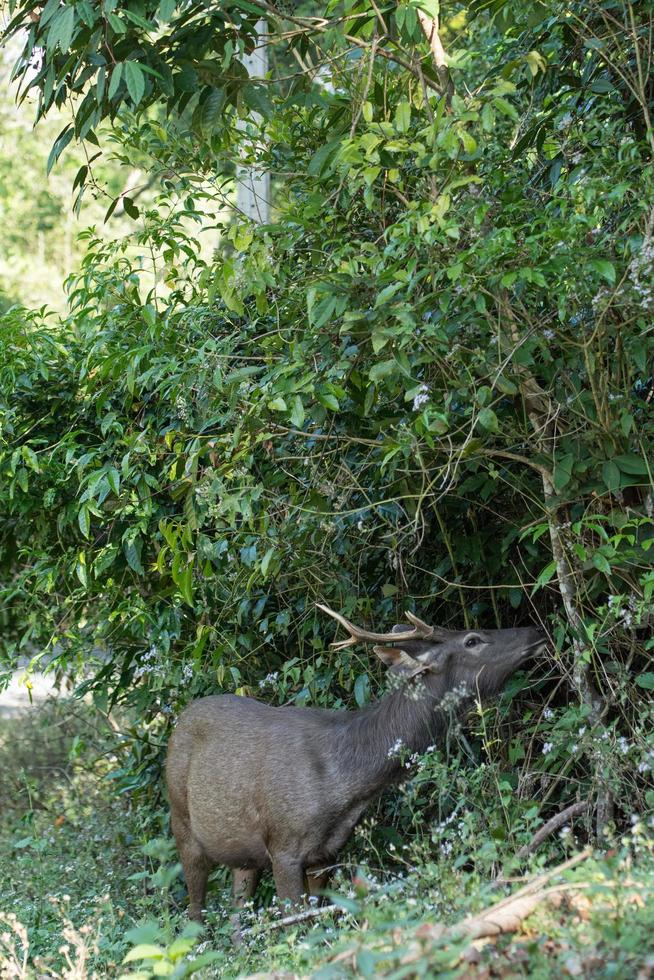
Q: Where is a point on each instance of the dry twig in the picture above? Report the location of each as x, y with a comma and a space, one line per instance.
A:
570, 812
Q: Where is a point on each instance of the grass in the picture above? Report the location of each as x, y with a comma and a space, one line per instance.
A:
91, 878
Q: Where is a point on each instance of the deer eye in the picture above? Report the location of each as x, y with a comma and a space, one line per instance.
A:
472, 641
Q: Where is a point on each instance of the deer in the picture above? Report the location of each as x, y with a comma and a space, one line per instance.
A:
257, 787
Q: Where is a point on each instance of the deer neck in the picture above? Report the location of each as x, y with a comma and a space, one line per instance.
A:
377, 742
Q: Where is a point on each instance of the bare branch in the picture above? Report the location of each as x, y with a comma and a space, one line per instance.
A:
430, 30
575, 810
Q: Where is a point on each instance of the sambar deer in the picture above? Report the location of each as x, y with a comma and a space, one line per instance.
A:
254, 786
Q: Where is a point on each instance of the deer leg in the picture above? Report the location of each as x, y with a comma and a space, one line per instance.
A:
195, 866
317, 880
289, 878
244, 885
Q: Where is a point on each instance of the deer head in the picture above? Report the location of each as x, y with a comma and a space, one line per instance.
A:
475, 658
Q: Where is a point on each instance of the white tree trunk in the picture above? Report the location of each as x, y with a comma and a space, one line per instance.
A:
253, 185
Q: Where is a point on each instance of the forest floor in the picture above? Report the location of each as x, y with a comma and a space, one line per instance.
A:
91, 878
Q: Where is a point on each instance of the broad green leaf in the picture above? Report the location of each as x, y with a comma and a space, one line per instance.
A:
329, 401
212, 109
488, 420
135, 81
129, 207
132, 549
611, 476
297, 412
322, 157
646, 681
632, 464
403, 116
600, 562
145, 951
605, 269
165, 11
383, 369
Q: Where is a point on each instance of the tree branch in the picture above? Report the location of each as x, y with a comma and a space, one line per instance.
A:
570, 812
430, 30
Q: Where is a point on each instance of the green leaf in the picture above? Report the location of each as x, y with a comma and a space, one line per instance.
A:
611, 476
212, 108
165, 11
135, 81
84, 520
403, 116
59, 145
145, 951
362, 690
488, 420
297, 412
265, 561
132, 549
130, 208
544, 576
600, 562
321, 157
61, 29
114, 81
505, 107
632, 464
646, 680
605, 269
563, 471
383, 369
278, 405
185, 584
329, 401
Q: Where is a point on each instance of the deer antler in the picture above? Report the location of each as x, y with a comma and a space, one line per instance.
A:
420, 631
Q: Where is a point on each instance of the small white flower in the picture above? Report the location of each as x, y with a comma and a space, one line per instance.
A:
548, 747
421, 398
548, 714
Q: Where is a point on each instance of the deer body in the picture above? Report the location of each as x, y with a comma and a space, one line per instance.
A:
255, 787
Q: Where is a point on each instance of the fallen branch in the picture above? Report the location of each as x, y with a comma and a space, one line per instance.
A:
570, 812
503, 917
303, 916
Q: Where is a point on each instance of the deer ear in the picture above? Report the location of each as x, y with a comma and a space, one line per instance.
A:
396, 659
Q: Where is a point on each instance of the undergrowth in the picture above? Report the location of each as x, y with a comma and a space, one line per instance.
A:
90, 885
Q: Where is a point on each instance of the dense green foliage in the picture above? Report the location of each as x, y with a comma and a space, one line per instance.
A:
425, 384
